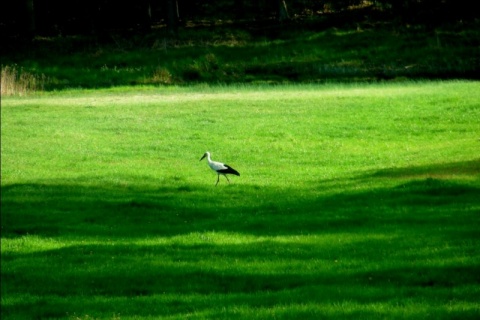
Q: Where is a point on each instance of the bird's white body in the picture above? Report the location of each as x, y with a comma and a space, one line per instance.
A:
219, 168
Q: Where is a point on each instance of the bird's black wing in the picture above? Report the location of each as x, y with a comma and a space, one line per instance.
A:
229, 170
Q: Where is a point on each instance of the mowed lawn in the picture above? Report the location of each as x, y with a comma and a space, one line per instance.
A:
354, 202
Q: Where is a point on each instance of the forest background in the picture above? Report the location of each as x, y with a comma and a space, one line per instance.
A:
50, 44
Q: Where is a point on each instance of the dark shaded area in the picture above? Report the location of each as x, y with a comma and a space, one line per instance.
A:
121, 270
427, 196
63, 210
104, 43
96, 44
426, 209
446, 171
229, 55
26, 18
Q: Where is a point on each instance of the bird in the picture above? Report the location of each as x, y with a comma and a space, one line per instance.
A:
219, 168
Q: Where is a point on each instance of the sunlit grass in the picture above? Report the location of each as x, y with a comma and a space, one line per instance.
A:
354, 201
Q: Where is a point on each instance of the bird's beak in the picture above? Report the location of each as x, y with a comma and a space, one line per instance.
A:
203, 157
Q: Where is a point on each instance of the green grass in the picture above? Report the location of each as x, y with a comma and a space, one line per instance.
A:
271, 55
354, 202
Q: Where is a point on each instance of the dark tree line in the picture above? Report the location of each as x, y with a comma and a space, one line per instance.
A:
60, 17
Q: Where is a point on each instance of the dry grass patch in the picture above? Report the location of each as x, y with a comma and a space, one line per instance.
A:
15, 81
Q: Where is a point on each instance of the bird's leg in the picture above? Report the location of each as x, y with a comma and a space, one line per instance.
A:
227, 178
218, 179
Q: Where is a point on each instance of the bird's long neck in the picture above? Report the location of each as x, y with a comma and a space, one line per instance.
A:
208, 158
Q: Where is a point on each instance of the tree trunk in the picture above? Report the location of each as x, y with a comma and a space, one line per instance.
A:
30, 16
239, 8
146, 16
172, 17
282, 11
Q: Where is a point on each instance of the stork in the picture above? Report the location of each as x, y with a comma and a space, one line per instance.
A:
219, 168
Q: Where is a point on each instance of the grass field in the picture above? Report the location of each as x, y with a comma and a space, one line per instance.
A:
354, 202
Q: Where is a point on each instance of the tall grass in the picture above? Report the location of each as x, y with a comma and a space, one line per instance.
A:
16, 81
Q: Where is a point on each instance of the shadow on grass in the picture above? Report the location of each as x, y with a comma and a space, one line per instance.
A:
417, 240
62, 210
442, 171
424, 195
168, 279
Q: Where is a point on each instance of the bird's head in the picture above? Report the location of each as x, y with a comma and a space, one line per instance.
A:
204, 155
